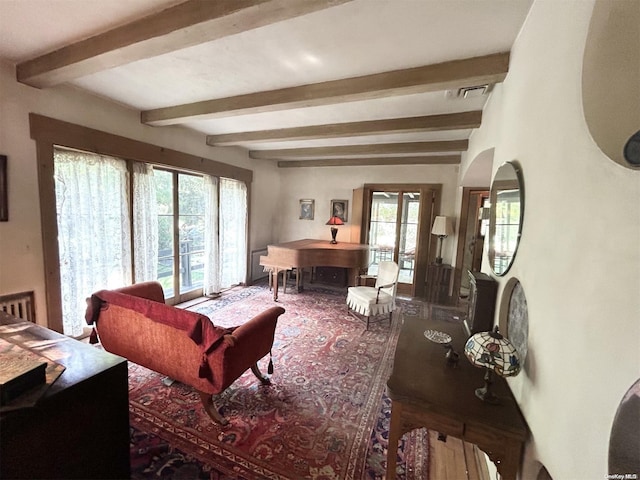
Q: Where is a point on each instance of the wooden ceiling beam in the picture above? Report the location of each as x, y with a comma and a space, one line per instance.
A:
431, 123
374, 161
369, 149
184, 25
454, 74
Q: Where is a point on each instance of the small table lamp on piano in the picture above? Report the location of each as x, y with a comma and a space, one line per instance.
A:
334, 231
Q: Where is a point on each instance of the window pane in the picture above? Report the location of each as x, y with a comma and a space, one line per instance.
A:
164, 196
190, 194
507, 226
191, 221
382, 228
233, 228
94, 238
165, 253
408, 235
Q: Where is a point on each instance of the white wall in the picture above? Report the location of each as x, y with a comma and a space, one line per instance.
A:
612, 99
579, 257
324, 184
21, 257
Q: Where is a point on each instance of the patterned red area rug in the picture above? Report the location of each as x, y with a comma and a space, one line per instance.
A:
325, 415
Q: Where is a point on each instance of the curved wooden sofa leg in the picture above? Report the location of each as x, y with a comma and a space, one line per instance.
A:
210, 408
263, 378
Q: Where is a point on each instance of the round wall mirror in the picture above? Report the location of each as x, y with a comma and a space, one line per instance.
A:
505, 220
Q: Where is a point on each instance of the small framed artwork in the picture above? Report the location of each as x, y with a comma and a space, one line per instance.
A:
307, 208
4, 206
339, 208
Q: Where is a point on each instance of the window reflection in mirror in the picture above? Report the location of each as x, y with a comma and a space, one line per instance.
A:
505, 224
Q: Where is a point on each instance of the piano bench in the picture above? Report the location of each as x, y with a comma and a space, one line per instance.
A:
286, 275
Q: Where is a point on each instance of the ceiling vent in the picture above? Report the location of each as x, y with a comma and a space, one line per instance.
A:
469, 92
473, 92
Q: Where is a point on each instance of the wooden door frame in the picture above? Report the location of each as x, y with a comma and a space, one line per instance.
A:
48, 132
426, 247
462, 235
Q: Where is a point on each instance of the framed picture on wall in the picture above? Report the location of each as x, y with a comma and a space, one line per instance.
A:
339, 208
307, 208
4, 206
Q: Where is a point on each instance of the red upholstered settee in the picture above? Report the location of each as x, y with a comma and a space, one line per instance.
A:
135, 323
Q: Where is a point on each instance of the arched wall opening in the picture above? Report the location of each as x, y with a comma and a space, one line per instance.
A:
475, 184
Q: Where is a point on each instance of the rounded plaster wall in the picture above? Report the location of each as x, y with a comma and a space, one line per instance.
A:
536, 117
478, 171
611, 76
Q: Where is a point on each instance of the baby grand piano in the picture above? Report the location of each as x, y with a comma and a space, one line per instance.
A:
300, 254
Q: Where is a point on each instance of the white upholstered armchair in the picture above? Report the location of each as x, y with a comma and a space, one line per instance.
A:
378, 300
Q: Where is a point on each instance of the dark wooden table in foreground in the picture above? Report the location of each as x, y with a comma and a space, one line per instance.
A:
425, 392
80, 426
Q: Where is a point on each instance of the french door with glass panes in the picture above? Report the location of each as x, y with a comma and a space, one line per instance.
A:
397, 222
180, 203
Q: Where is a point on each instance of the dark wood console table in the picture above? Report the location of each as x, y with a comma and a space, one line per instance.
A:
425, 392
79, 428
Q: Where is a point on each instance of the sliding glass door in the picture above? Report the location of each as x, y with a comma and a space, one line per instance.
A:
181, 233
202, 234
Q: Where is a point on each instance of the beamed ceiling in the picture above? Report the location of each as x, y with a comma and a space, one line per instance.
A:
297, 82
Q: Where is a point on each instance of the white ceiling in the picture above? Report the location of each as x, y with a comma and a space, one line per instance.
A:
343, 40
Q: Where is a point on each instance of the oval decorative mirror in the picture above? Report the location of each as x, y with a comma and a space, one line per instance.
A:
624, 443
505, 220
518, 320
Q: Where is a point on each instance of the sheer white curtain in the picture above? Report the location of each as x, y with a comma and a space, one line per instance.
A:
145, 223
233, 232
94, 238
211, 280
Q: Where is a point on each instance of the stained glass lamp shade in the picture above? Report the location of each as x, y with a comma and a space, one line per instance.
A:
490, 350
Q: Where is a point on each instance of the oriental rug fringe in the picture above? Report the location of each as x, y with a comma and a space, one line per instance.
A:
325, 415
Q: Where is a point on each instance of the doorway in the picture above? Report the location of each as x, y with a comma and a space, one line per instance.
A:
180, 201
474, 224
395, 225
